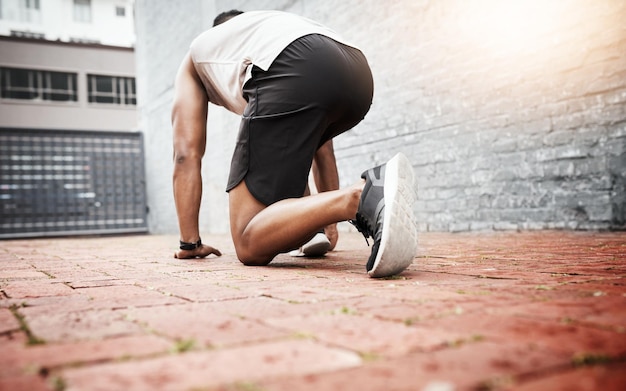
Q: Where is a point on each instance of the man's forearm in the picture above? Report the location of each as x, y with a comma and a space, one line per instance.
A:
326, 179
325, 168
187, 183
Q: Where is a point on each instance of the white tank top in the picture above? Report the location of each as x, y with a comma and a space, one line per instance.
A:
223, 55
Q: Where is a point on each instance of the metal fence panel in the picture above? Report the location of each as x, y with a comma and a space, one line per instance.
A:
71, 182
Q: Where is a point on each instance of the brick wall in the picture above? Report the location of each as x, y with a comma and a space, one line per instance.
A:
513, 116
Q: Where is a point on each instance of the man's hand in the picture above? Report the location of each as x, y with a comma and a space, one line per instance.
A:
200, 252
332, 234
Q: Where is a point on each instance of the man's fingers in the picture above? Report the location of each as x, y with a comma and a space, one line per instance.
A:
208, 250
200, 252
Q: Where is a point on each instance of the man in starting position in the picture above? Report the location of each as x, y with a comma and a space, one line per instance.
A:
297, 85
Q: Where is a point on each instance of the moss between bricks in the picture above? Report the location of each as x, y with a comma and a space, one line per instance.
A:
184, 345
501, 382
588, 359
58, 384
32, 338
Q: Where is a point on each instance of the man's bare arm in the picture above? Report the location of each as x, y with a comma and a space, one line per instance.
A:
326, 178
189, 120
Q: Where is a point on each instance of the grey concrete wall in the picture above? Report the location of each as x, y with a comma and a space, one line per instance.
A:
514, 116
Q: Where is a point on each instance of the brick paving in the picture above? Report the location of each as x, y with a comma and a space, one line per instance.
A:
475, 311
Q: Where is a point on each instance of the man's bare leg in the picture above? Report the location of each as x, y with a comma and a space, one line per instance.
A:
323, 177
260, 233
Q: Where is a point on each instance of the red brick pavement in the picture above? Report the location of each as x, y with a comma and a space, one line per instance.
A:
475, 311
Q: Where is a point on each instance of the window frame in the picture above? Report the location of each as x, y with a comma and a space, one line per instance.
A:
29, 11
122, 93
82, 11
40, 86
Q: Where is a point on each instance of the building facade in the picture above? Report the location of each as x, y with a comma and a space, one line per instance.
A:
70, 150
105, 22
59, 85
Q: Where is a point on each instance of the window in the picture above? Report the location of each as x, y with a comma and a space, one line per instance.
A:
82, 11
31, 84
111, 90
120, 11
29, 11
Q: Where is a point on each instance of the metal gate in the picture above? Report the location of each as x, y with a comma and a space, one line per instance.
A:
56, 183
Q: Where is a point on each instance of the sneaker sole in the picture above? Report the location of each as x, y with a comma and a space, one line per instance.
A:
316, 247
398, 245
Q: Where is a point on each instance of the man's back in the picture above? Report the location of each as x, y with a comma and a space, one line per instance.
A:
223, 55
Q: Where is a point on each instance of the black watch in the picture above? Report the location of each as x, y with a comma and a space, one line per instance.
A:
190, 246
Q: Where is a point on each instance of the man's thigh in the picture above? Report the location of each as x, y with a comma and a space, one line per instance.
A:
243, 207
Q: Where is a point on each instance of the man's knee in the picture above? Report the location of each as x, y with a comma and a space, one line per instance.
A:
250, 259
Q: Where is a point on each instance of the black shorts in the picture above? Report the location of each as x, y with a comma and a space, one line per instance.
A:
316, 89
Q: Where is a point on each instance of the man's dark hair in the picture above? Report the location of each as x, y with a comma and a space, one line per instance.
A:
224, 16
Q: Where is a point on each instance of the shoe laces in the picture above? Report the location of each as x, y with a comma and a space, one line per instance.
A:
363, 225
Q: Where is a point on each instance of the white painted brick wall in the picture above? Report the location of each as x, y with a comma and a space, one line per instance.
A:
504, 132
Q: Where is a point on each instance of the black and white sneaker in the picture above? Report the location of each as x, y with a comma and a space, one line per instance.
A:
318, 246
386, 214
